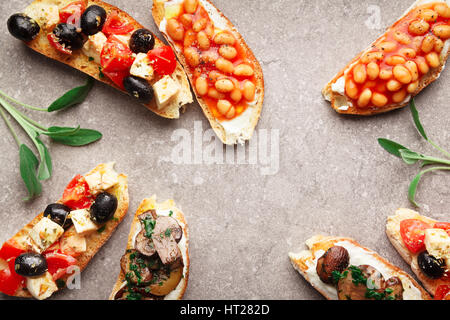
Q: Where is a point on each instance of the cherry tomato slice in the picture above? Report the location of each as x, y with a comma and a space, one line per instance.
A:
117, 77
58, 46
442, 293
115, 25
10, 281
58, 264
163, 60
71, 13
77, 196
443, 225
116, 56
413, 234
10, 249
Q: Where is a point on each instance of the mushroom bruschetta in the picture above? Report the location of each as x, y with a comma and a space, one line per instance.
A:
341, 269
225, 75
398, 65
155, 265
424, 243
110, 46
39, 259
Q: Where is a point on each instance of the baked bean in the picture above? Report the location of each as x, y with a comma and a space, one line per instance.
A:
401, 37
412, 87
429, 15
385, 74
189, 38
203, 41
399, 96
215, 75
351, 89
408, 52
433, 59
402, 74
379, 100
192, 57
209, 30
422, 64
371, 56
387, 46
395, 60
249, 90
364, 98
201, 85
224, 38
186, 20
412, 67
228, 52
428, 44
199, 25
209, 57
224, 65
175, 30
213, 93
443, 10
373, 70
360, 73
236, 95
442, 31
224, 85
223, 106
438, 45
417, 43
243, 70
190, 6
231, 113
419, 27
393, 85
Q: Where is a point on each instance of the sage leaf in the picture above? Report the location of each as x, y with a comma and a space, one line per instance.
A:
59, 132
392, 147
72, 97
45, 167
416, 119
28, 166
410, 157
81, 138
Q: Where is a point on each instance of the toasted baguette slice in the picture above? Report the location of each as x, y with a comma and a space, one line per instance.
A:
81, 62
305, 263
95, 240
335, 92
163, 209
393, 233
241, 128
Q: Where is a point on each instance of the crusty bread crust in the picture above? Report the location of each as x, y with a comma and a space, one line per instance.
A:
81, 62
337, 100
393, 233
246, 132
146, 205
319, 242
95, 240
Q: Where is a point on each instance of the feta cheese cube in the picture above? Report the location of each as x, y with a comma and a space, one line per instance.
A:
125, 38
166, 90
141, 67
94, 46
102, 179
41, 287
437, 242
44, 234
73, 243
46, 15
82, 221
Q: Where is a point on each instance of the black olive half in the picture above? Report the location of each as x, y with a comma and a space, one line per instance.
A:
92, 20
30, 264
432, 267
58, 213
142, 41
23, 27
69, 36
139, 88
103, 208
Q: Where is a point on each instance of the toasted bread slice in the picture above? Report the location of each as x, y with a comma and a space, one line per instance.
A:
335, 90
163, 209
95, 240
305, 263
81, 62
393, 233
241, 128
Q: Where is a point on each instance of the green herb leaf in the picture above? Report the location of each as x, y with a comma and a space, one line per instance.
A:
81, 138
415, 183
416, 118
28, 167
101, 229
45, 166
60, 132
392, 147
410, 157
72, 97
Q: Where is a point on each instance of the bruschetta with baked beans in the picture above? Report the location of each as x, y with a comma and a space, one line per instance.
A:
398, 65
225, 75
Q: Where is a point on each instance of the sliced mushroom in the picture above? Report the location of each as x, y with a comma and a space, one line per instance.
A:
164, 241
165, 281
144, 245
135, 268
151, 214
375, 279
395, 284
357, 280
335, 259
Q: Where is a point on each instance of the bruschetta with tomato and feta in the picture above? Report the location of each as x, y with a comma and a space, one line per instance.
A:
409, 56
424, 243
110, 46
155, 265
225, 75
61, 241
341, 269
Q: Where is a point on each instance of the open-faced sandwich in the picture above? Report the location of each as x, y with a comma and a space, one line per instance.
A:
225, 75
155, 265
424, 243
37, 261
110, 46
397, 66
341, 269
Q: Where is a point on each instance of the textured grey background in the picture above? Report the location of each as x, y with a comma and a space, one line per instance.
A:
333, 177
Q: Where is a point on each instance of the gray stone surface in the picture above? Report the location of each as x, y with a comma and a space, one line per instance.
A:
333, 177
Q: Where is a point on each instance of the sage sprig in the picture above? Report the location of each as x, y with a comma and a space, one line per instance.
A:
34, 169
412, 157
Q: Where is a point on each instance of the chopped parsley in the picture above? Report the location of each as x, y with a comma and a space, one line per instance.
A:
101, 74
168, 232
91, 59
101, 229
170, 213
336, 275
60, 283
357, 275
149, 225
